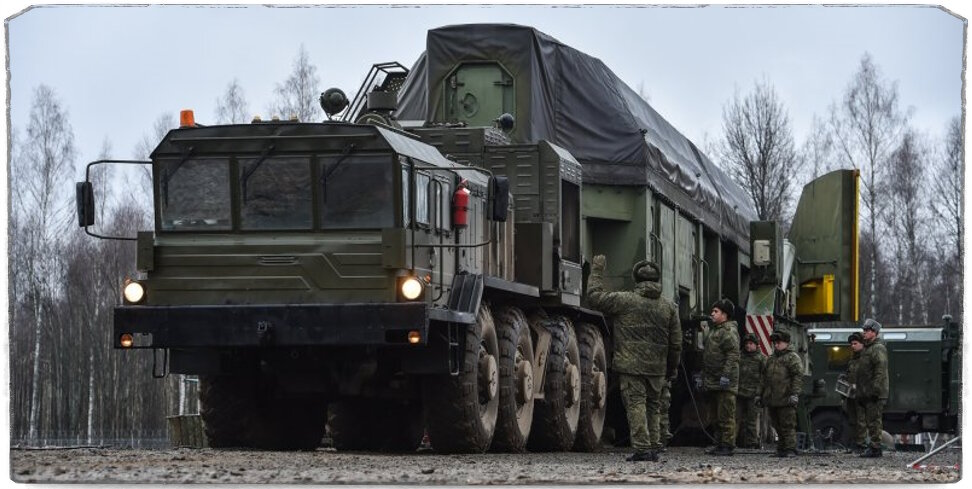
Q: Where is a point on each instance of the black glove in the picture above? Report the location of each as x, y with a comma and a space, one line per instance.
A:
723, 382
794, 400
759, 402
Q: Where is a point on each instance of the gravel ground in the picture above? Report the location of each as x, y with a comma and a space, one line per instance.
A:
325, 466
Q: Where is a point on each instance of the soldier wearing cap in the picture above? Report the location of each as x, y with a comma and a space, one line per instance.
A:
872, 385
854, 410
781, 392
752, 362
647, 346
720, 375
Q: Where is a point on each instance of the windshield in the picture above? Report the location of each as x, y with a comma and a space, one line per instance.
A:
277, 193
195, 195
357, 192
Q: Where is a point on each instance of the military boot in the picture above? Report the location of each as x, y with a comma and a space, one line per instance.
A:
871, 452
646, 456
724, 450
856, 449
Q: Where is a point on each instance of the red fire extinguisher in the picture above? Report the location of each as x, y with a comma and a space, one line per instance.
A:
460, 206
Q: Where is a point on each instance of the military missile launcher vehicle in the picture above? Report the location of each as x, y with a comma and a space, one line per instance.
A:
417, 262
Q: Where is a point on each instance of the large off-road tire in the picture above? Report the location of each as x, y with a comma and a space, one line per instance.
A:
376, 424
515, 381
555, 417
593, 408
225, 407
462, 409
833, 426
237, 412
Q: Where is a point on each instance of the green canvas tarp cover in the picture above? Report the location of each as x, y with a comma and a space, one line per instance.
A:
575, 101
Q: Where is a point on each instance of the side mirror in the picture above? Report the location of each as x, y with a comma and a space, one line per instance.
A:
499, 188
85, 204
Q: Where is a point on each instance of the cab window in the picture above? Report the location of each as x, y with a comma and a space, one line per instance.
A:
194, 195
357, 192
275, 194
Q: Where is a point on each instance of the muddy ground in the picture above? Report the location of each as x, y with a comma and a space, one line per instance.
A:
326, 466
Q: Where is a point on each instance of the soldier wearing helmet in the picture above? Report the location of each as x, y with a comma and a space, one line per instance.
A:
853, 408
752, 362
647, 345
720, 375
872, 385
781, 392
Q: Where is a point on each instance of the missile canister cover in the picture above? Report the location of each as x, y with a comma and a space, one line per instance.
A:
575, 101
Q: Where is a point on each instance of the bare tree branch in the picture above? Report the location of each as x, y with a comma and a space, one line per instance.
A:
757, 149
297, 96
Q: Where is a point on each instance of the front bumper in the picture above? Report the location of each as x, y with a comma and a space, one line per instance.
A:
381, 324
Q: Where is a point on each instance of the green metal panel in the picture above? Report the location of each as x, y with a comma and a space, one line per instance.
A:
915, 366
766, 235
666, 234
824, 231
622, 241
478, 93
685, 254
713, 269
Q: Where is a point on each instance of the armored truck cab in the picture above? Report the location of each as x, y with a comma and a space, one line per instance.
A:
297, 264
923, 375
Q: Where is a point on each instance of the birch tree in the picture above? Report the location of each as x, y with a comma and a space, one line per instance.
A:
906, 221
231, 107
40, 176
297, 96
866, 127
757, 149
947, 211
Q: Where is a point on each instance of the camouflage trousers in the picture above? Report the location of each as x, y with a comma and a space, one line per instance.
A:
873, 411
784, 421
856, 421
641, 394
722, 410
747, 416
664, 405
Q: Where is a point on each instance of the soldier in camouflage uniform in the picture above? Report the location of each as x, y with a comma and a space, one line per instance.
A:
752, 362
872, 385
855, 412
647, 346
781, 392
720, 375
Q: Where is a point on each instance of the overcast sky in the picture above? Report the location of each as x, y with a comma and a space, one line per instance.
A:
116, 69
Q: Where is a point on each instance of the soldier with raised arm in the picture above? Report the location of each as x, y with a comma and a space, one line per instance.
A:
647, 346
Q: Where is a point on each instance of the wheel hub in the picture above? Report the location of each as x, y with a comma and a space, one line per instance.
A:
524, 382
488, 376
599, 390
573, 385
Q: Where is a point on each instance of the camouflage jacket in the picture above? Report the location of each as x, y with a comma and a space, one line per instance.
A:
721, 357
784, 378
647, 331
852, 364
751, 366
872, 371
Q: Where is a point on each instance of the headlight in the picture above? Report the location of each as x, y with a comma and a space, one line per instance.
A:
412, 288
134, 292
